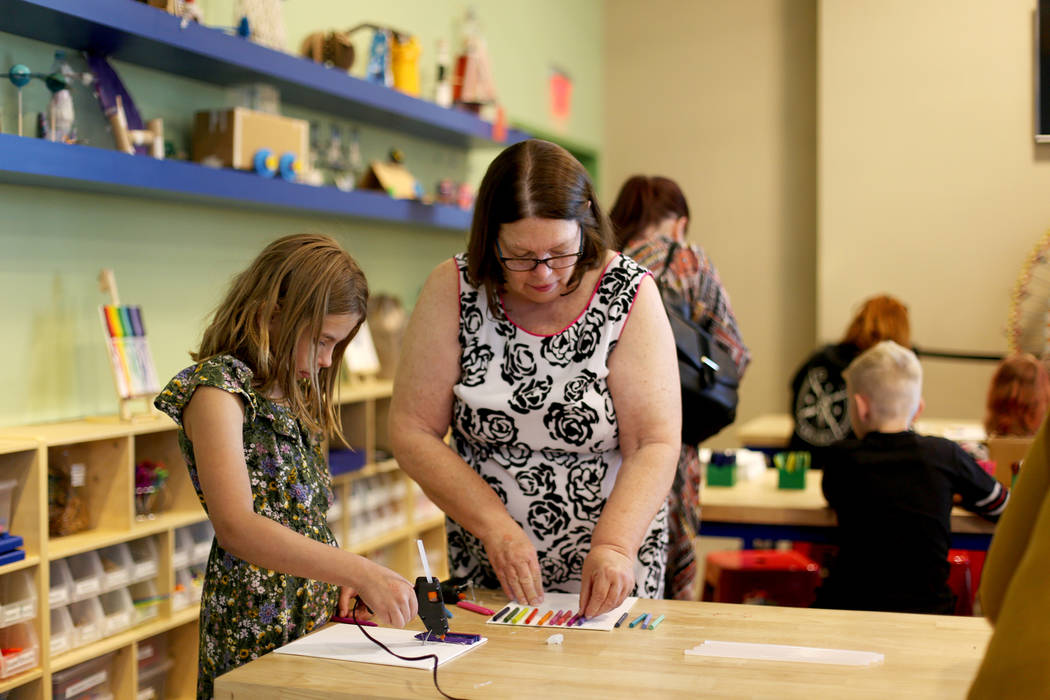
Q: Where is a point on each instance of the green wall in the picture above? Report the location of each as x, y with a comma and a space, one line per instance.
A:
176, 259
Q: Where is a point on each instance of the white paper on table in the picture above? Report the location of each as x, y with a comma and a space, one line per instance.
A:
567, 601
782, 652
347, 643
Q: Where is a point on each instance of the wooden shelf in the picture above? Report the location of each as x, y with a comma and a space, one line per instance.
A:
8, 684
431, 522
102, 646
29, 561
31, 161
142, 35
387, 538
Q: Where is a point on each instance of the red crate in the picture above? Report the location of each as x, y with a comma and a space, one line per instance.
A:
761, 576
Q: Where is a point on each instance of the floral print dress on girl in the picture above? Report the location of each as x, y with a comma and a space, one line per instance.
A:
532, 414
247, 611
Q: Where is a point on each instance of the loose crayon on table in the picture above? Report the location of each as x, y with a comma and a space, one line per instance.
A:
531, 615
546, 616
656, 622
473, 608
447, 611
635, 621
645, 622
620, 621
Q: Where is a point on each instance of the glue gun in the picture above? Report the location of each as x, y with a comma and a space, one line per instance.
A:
431, 607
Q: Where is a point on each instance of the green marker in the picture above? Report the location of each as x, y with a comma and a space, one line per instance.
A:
656, 622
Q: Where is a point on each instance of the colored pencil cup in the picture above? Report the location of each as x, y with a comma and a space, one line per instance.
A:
721, 470
791, 469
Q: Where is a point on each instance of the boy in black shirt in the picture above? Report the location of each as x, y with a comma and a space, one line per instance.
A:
892, 492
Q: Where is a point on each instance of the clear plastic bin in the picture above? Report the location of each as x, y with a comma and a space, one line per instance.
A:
118, 611
24, 652
86, 570
61, 585
17, 598
87, 680
151, 681
146, 601
180, 557
7, 492
182, 596
144, 559
116, 566
203, 533
151, 652
61, 631
197, 576
88, 621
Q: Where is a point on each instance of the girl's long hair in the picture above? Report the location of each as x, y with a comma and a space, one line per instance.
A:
297, 280
645, 201
1017, 397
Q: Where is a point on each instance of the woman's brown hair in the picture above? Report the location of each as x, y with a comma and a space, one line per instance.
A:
299, 280
533, 179
1017, 397
880, 318
643, 202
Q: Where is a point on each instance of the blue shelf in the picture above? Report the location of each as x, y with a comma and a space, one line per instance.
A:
31, 161
140, 34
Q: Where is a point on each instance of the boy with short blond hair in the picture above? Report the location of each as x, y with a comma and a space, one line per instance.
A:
892, 491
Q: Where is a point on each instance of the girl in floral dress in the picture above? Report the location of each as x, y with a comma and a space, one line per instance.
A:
252, 415
551, 359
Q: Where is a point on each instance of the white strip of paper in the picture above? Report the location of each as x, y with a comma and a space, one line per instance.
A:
781, 652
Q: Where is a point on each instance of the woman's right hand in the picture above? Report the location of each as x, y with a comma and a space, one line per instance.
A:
390, 596
517, 567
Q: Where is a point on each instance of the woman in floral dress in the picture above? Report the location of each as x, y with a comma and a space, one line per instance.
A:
252, 413
550, 358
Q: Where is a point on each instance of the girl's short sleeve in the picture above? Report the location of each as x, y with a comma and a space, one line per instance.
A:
222, 372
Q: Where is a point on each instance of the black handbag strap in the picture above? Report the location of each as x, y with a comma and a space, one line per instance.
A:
667, 261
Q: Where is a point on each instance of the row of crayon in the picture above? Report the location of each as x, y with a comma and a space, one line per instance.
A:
645, 621
525, 615
129, 351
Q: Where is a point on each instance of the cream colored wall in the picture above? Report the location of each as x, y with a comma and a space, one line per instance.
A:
931, 186
720, 96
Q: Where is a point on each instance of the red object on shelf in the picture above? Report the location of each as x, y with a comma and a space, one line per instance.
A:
963, 579
761, 576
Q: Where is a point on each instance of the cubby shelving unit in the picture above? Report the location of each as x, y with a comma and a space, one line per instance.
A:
109, 449
140, 34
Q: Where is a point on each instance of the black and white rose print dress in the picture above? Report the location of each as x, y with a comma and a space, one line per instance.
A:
532, 414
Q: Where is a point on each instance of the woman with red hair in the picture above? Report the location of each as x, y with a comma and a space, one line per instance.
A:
819, 403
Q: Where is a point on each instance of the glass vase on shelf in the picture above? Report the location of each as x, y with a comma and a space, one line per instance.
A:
150, 480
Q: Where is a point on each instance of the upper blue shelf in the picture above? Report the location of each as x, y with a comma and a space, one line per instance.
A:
140, 34
31, 161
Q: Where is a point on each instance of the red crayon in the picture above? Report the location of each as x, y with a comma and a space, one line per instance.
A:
531, 615
474, 608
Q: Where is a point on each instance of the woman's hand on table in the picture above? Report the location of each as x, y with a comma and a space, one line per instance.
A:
608, 578
390, 596
514, 560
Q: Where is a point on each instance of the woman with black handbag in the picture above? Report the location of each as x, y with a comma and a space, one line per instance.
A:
650, 219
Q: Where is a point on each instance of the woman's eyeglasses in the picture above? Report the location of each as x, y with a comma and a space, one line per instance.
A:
555, 262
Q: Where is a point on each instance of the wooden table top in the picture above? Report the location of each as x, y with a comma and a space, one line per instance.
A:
759, 501
773, 430
926, 656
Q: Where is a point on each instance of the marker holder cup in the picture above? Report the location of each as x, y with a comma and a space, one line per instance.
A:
791, 469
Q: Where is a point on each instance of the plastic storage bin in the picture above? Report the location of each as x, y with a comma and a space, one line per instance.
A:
61, 631
144, 559
7, 492
180, 557
87, 680
61, 586
17, 598
118, 611
88, 621
182, 596
152, 652
152, 679
21, 637
146, 601
86, 570
760, 576
203, 533
116, 566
